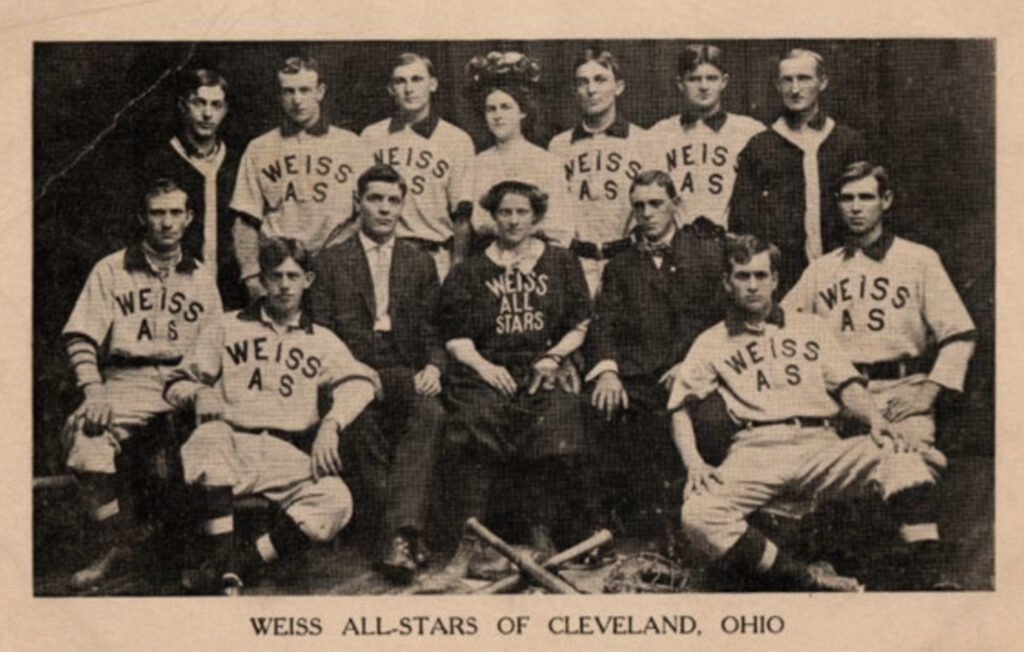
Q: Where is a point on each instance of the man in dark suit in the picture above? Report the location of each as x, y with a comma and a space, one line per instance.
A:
379, 294
655, 298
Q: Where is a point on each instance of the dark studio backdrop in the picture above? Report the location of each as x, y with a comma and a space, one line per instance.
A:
927, 108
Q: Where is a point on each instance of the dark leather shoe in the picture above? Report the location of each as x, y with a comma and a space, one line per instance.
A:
398, 563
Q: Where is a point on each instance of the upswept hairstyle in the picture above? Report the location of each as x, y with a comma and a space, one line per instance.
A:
538, 199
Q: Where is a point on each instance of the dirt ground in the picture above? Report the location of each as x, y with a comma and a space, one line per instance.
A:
854, 538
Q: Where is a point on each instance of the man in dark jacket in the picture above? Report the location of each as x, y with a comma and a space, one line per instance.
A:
379, 294
655, 298
205, 167
783, 184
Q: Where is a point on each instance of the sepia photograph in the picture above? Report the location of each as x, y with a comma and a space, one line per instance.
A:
451, 316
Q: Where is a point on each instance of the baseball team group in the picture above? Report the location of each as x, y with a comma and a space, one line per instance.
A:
354, 325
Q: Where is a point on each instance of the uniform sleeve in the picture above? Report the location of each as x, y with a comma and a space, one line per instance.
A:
837, 368
201, 366
695, 377
461, 184
949, 321
248, 198
800, 297
341, 367
93, 313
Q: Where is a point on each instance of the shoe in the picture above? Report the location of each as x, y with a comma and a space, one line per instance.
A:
421, 553
822, 576
926, 569
115, 559
398, 563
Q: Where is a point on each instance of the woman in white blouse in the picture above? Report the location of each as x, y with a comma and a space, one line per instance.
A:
503, 86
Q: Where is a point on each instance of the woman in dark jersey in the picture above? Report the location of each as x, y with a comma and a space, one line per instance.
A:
512, 316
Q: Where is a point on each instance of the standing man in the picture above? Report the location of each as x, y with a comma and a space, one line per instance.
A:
436, 159
783, 378
699, 146
380, 295
783, 183
655, 298
255, 385
600, 157
892, 306
297, 180
140, 311
199, 159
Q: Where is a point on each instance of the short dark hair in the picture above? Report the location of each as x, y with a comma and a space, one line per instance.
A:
739, 249
696, 54
192, 80
603, 57
538, 199
380, 172
800, 53
862, 170
275, 250
655, 178
296, 64
163, 186
405, 58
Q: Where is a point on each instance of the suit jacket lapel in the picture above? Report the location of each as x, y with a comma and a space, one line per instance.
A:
360, 275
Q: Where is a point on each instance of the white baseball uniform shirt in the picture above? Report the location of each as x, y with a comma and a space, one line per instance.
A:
268, 378
436, 159
792, 368
300, 185
701, 157
891, 301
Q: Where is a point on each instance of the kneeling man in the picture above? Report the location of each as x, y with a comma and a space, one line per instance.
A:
255, 385
783, 377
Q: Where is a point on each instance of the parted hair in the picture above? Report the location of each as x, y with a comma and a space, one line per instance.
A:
862, 170
380, 172
698, 53
192, 80
297, 64
405, 58
162, 186
605, 58
655, 178
800, 53
275, 250
739, 249
538, 199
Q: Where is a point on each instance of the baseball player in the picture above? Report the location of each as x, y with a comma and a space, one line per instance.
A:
206, 167
436, 158
699, 146
891, 304
600, 157
783, 378
297, 180
140, 310
783, 179
254, 384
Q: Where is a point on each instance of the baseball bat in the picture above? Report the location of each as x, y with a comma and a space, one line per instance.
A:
548, 580
583, 547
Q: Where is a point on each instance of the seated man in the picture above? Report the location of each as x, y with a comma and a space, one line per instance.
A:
890, 303
255, 385
655, 298
379, 294
783, 377
140, 310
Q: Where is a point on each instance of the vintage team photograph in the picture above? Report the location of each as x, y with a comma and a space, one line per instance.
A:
513, 316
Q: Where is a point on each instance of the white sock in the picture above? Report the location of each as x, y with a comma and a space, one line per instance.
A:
771, 551
266, 549
919, 532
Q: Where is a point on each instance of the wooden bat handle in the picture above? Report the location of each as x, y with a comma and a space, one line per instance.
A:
545, 578
597, 540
